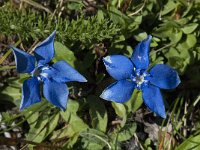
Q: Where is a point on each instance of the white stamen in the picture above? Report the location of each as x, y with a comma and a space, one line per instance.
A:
45, 75
45, 68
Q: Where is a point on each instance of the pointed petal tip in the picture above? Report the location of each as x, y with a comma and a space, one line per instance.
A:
53, 34
84, 80
25, 62
178, 80
63, 109
161, 114
149, 37
44, 51
164, 116
105, 94
11, 46
102, 95
140, 56
21, 108
107, 59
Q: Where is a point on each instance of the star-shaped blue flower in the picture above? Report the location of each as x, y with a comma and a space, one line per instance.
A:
53, 76
132, 73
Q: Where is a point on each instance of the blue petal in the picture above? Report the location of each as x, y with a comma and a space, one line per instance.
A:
164, 77
118, 66
56, 93
25, 62
153, 99
44, 52
119, 92
140, 56
30, 92
61, 71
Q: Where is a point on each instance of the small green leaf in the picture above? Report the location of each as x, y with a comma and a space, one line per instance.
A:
42, 128
120, 110
191, 143
141, 36
135, 101
100, 15
12, 92
170, 6
74, 121
64, 53
176, 37
94, 139
98, 113
127, 132
189, 28
191, 40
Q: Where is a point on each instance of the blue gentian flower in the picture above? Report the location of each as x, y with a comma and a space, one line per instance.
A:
53, 76
132, 73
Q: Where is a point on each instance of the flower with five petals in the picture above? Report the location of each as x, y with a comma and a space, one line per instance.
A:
131, 73
53, 76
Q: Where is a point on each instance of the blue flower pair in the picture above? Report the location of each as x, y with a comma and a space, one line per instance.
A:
53, 76
131, 73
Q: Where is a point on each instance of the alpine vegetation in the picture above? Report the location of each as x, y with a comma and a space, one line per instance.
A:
132, 74
53, 76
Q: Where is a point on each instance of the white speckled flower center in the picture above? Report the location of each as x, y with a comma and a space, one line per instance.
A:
38, 72
140, 78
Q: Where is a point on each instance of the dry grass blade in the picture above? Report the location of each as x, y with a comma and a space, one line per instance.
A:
37, 5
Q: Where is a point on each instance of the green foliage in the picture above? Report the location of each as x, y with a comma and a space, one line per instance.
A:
83, 32
190, 143
83, 38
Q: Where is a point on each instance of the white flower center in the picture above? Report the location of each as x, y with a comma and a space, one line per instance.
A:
139, 79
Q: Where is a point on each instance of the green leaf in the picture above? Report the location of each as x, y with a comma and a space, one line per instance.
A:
177, 63
98, 113
100, 15
141, 36
191, 143
191, 40
127, 132
12, 92
176, 37
170, 6
189, 28
94, 139
135, 101
66, 131
75, 123
64, 53
71, 141
34, 133
42, 128
117, 16
72, 108
120, 110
